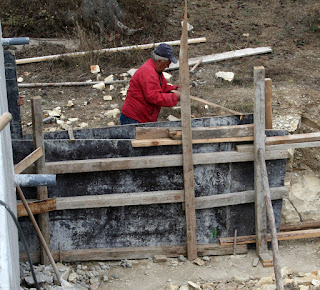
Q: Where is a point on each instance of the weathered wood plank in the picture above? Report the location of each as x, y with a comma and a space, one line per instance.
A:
42, 192
109, 254
143, 133
288, 139
249, 148
224, 56
282, 236
188, 176
259, 143
216, 132
268, 103
168, 141
30, 159
36, 207
119, 199
173, 160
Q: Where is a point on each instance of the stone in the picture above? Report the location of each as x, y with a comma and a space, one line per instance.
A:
95, 69
41, 278
48, 120
112, 113
54, 113
291, 122
172, 118
228, 76
105, 278
70, 104
207, 286
174, 263
199, 262
73, 277
289, 213
109, 78
123, 91
285, 272
255, 262
74, 120
115, 276
84, 125
99, 86
269, 287
160, 258
111, 87
20, 79
264, 281
60, 122
113, 106
315, 282
107, 98
172, 287
193, 285
182, 258
131, 71
189, 26
110, 124
206, 258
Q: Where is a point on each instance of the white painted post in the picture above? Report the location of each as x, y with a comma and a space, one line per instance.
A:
9, 251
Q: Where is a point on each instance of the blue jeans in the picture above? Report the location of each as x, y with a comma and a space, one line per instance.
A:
124, 120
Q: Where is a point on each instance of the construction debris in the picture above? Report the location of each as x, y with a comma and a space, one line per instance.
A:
228, 76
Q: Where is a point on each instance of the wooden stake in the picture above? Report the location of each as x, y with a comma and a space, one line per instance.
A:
259, 143
42, 192
272, 223
42, 240
195, 66
187, 143
268, 93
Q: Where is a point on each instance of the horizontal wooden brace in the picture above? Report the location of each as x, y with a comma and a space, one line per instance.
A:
160, 197
136, 253
172, 160
249, 148
36, 207
282, 236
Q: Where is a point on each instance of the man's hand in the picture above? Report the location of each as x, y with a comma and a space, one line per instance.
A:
177, 94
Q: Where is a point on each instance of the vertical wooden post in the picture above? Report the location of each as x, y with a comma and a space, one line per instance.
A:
42, 192
187, 143
268, 102
259, 143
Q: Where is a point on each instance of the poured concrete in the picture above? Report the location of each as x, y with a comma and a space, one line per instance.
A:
144, 225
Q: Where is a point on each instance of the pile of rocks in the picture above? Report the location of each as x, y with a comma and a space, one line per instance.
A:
93, 275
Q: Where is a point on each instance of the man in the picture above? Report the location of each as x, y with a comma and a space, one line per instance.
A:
148, 90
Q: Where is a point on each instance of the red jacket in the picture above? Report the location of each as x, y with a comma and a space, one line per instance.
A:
146, 96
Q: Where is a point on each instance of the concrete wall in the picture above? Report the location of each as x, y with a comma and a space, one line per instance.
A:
9, 253
145, 225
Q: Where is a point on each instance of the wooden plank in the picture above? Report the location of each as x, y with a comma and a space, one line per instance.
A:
5, 120
225, 56
143, 133
296, 138
249, 148
36, 207
42, 192
268, 103
259, 143
160, 197
235, 198
170, 142
300, 226
282, 236
109, 254
70, 133
195, 66
119, 199
271, 219
27, 161
105, 50
216, 106
188, 176
152, 133
216, 132
172, 160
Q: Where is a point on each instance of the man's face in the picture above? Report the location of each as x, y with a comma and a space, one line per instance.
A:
163, 65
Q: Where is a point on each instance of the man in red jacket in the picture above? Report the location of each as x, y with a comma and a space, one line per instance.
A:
148, 90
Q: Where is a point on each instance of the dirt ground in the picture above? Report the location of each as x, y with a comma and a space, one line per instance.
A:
290, 28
